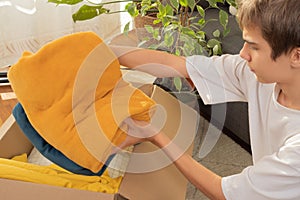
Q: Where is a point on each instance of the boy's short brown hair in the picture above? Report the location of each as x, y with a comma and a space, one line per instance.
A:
278, 20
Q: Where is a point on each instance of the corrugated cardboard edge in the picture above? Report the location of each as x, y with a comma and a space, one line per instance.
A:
168, 182
12, 136
19, 190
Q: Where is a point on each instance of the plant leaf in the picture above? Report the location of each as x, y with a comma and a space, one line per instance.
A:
168, 39
126, 28
175, 4
216, 50
177, 83
200, 11
223, 17
189, 32
183, 3
217, 33
149, 28
212, 42
188, 49
153, 46
201, 22
212, 3
156, 34
165, 21
86, 12
231, 2
226, 32
131, 9
171, 27
161, 11
169, 10
144, 41
191, 4
201, 35
215, 46
157, 21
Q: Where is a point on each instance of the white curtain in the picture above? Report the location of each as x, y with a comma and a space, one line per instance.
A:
29, 24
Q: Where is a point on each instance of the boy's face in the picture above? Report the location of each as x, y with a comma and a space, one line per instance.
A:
257, 52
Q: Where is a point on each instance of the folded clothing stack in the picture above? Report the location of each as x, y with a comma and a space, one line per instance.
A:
47, 150
19, 168
73, 101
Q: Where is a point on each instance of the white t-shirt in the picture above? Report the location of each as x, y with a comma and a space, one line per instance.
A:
274, 129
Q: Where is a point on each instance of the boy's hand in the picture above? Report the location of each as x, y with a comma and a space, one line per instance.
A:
137, 132
140, 129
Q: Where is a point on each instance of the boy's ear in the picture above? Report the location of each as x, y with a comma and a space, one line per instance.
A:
295, 57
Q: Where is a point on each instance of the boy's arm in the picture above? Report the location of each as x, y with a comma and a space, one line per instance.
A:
205, 180
157, 63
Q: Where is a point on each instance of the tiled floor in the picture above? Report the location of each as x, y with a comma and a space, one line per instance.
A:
226, 158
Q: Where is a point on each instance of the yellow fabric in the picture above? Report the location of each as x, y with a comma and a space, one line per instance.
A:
54, 175
44, 83
21, 158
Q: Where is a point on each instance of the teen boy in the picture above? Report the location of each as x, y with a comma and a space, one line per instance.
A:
266, 74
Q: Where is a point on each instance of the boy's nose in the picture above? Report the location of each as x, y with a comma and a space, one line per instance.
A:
244, 53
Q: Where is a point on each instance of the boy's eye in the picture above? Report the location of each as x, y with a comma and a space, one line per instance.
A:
252, 47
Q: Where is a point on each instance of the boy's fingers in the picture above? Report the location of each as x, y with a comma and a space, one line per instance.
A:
140, 129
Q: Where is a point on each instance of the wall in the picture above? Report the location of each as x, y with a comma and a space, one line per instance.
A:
29, 24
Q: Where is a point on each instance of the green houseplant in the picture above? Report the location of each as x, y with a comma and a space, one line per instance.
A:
182, 31
183, 22
181, 28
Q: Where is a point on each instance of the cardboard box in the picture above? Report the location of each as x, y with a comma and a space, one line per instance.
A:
165, 183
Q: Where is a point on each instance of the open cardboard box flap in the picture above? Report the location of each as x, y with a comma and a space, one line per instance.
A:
157, 182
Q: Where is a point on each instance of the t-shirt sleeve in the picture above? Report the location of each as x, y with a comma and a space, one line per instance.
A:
276, 176
219, 79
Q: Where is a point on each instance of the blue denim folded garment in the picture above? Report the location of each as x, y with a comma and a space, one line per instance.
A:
47, 150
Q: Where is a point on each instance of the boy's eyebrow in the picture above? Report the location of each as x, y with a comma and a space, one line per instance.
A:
249, 42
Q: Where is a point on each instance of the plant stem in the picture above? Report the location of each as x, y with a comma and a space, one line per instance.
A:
112, 2
181, 16
185, 17
120, 11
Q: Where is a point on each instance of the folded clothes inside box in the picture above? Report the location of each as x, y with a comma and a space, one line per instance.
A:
46, 153
38, 169
18, 168
48, 150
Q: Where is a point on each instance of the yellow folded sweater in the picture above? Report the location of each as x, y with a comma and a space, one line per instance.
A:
74, 96
19, 169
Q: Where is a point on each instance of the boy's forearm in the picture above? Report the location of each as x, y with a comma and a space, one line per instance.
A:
156, 63
205, 180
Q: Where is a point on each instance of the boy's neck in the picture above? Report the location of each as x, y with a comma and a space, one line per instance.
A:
289, 98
